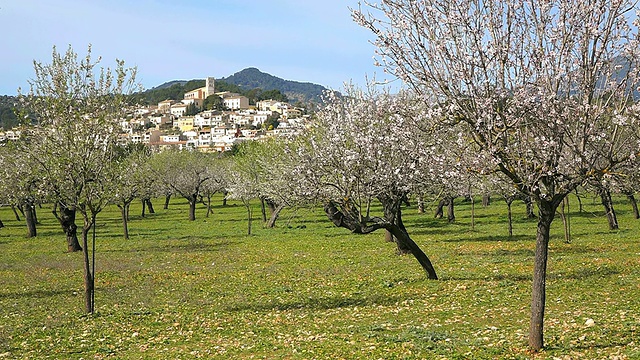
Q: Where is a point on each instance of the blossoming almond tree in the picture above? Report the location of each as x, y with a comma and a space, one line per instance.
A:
360, 150
543, 88
77, 113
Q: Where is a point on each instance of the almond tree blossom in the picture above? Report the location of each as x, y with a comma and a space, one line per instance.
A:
20, 183
363, 148
132, 179
77, 113
543, 88
185, 172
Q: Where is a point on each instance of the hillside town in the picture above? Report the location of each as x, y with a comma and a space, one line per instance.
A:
175, 124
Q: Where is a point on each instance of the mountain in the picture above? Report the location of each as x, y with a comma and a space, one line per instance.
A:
251, 78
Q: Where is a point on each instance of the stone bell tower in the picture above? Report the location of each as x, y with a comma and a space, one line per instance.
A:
210, 87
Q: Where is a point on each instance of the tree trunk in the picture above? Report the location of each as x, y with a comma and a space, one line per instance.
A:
486, 200
125, 224
439, 210
144, 207
208, 204
473, 213
579, 201
605, 197
391, 207
29, 215
529, 207
192, 207
407, 242
274, 215
34, 213
224, 197
166, 201
546, 213
450, 214
263, 210
510, 217
1, 224
67, 220
88, 275
634, 205
420, 204
247, 205
150, 206
13, 208
565, 220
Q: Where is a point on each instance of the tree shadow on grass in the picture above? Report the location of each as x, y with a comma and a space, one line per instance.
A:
488, 277
38, 293
585, 273
189, 246
492, 238
317, 303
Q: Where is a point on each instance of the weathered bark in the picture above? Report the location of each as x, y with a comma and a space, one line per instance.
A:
350, 219
193, 199
546, 213
605, 197
29, 215
166, 201
407, 242
144, 208
529, 207
67, 220
149, 206
634, 204
439, 209
224, 197
393, 214
450, 213
275, 213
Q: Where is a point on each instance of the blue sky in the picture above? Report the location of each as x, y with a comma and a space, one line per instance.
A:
302, 40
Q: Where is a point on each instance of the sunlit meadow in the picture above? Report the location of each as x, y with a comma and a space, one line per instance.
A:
307, 290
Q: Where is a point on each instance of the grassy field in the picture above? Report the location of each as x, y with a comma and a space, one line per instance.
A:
307, 290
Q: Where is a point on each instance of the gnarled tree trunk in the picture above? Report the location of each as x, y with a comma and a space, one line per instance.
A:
274, 210
605, 197
166, 201
67, 219
349, 218
634, 204
30, 217
149, 206
193, 199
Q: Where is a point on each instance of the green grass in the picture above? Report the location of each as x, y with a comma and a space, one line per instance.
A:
307, 290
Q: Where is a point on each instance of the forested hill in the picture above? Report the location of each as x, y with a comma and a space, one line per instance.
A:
252, 78
8, 117
249, 82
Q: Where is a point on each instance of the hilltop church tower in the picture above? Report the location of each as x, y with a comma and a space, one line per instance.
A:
210, 87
